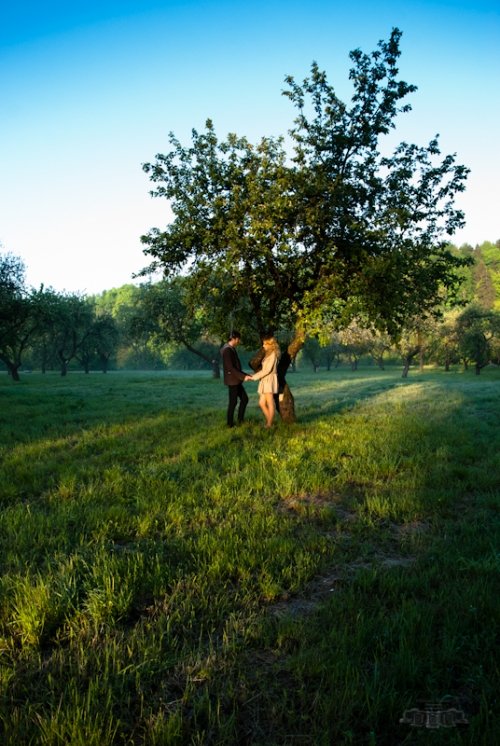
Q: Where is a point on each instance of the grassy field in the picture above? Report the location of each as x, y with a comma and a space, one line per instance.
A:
165, 580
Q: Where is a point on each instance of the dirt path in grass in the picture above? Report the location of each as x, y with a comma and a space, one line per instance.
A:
335, 577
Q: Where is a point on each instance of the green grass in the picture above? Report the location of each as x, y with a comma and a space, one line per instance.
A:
165, 580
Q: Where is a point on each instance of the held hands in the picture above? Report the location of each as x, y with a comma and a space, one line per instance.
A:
248, 378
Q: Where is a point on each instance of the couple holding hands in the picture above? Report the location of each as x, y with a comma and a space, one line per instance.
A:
267, 376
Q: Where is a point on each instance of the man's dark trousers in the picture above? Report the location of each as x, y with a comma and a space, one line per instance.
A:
235, 393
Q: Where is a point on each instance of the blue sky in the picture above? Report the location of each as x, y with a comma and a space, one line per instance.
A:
90, 90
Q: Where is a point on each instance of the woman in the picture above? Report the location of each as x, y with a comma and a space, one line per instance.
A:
268, 378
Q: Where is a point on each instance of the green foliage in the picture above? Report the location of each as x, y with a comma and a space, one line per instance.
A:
488, 275
165, 580
105, 337
478, 334
12, 279
337, 232
18, 320
231, 228
165, 314
481, 280
70, 328
48, 328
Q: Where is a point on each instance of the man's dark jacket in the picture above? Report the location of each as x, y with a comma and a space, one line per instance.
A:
233, 375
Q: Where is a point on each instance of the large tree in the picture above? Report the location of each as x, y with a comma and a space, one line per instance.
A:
323, 231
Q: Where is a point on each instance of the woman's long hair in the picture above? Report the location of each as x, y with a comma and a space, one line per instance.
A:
273, 347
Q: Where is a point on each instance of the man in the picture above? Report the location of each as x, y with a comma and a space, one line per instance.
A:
233, 378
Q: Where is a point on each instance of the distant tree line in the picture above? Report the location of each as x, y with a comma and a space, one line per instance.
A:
467, 333
151, 326
134, 327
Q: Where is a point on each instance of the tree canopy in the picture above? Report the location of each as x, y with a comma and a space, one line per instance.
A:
323, 228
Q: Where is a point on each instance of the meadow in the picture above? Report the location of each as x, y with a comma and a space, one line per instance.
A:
165, 580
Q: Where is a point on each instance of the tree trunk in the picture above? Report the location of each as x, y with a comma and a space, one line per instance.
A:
420, 352
296, 344
256, 362
286, 405
214, 364
407, 361
13, 370
45, 357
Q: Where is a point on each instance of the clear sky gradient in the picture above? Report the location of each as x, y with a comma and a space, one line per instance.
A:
90, 90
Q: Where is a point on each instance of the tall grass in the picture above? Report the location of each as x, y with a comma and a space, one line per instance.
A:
165, 580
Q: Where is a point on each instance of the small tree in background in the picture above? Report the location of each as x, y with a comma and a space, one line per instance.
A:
169, 319
71, 325
106, 337
21, 313
356, 340
478, 333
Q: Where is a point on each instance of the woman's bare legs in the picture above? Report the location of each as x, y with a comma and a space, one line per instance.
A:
266, 403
